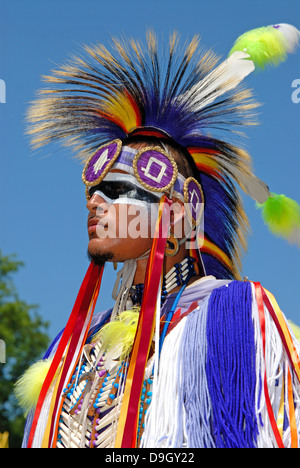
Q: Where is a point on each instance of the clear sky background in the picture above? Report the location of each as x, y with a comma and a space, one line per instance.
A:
42, 201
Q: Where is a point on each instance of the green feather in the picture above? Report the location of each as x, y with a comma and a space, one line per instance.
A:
282, 216
268, 45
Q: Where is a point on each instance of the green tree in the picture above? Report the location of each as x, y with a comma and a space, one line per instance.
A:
25, 336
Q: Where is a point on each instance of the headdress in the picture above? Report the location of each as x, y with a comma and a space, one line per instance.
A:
182, 97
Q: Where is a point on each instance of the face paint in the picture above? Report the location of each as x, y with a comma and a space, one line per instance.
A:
120, 188
123, 189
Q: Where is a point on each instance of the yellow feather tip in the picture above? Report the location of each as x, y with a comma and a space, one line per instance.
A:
119, 333
29, 385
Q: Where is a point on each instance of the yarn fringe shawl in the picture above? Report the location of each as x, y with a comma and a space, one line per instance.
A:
228, 376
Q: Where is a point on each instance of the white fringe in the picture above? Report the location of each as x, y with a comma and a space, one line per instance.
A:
161, 419
276, 364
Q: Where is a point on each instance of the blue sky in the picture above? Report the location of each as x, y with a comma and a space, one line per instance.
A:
42, 202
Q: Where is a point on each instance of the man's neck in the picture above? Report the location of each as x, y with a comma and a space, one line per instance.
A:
169, 262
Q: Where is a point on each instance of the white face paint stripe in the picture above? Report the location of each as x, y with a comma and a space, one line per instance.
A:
118, 176
124, 200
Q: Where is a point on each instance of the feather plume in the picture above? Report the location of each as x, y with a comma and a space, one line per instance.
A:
282, 216
29, 385
117, 336
221, 80
107, 94
268, 45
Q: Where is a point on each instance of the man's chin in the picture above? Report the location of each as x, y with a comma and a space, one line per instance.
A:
99, 258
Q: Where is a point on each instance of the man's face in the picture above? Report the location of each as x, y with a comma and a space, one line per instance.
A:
121, 218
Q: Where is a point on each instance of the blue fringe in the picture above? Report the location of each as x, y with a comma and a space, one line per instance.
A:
230, 366
193, 389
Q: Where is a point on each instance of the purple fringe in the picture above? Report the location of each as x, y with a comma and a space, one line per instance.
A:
230, 367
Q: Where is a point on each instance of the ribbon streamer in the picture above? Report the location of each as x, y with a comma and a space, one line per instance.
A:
260, 305
88, 291
76, 344
264, 297
283, 330
126, 434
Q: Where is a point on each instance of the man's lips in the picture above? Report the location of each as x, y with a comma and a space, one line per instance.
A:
93, 223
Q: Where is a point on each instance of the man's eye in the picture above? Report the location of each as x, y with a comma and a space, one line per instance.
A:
121, 188
115, 190
112, 190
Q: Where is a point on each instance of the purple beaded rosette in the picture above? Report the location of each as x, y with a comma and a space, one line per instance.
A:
155, 169
100, 163
194, 200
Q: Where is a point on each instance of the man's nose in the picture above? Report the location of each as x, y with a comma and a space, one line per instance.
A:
97, 204
94, 202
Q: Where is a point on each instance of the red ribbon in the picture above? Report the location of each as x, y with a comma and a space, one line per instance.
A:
73, 343
280, 331
261, 312
77, 316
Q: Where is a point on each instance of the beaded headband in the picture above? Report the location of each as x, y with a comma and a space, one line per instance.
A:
154, 169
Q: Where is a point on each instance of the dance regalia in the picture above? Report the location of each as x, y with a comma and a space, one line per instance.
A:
222, 357
214, 364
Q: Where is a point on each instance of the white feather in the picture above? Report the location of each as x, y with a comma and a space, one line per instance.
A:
291, 34
294, 237
222, 79
254, 187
